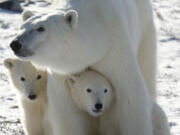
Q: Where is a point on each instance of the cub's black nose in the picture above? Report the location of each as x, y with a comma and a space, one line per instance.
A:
15, 46
32, 97
98, 106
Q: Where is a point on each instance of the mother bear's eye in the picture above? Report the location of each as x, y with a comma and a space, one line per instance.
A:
40, 29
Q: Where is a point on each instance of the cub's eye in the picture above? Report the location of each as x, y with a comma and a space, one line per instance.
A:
40, 29
22, 79
105, 91
39, 77
88, 90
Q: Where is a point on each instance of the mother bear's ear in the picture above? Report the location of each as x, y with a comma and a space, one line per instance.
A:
26, 14
71, 18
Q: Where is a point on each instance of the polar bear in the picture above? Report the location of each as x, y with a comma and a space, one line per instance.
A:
119, 42
93, 93
31, 91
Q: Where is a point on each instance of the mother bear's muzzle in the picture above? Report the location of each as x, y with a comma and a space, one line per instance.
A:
15, 46
19, 49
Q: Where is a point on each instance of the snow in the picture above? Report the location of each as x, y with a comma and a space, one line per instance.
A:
167, 19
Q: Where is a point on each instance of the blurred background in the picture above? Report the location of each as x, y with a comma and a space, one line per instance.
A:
167, 20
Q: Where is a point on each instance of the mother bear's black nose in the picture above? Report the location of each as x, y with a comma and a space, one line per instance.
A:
15, 46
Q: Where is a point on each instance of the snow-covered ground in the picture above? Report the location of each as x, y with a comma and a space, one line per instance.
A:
167, 19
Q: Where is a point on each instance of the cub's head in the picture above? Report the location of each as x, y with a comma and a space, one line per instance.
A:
91, 92
57, 40
28, 80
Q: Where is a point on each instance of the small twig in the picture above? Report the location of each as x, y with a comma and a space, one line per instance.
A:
10, 122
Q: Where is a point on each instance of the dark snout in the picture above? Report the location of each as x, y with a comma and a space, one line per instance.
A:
32, 97
15, 46
98, 106
20, 50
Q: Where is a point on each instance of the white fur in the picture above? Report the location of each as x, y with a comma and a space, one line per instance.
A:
34, 112
101, 92
70, 120
85, 101
114, 37
90, 88
26, 14
159, 120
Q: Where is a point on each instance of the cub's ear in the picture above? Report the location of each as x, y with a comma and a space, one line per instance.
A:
9, 63
71, 18
70, 81
26, 14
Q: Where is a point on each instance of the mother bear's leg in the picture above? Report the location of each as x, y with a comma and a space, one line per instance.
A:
146, 52
63, 115
147, 59
159, 120
132, 111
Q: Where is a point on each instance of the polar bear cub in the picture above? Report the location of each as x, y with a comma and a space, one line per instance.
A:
31, 84
91, 92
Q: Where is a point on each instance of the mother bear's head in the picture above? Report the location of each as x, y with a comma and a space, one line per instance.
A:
57, 40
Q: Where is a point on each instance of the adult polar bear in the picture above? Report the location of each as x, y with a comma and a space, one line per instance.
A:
114, 37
